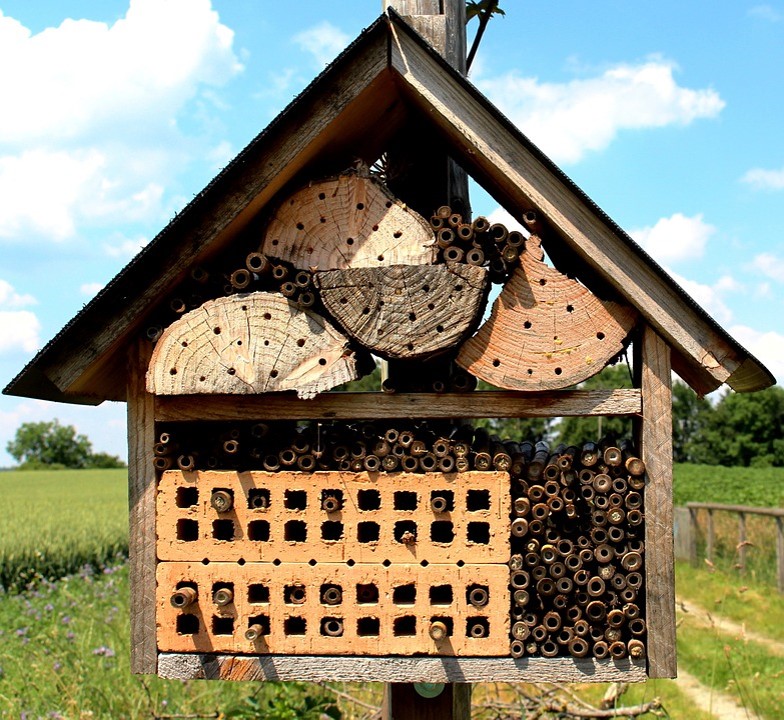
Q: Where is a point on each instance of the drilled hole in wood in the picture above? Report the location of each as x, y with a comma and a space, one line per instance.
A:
477, 500
405, 500
267, 316
431, 306
185, 343
187, 530
360, 206
369, 499
366, 311
458, 288
496, 362
441, 595
295, 626
295, 499
258, 594
322, 361
275, 242
397, 234
349, 241
202, 378
570, 308
412, 317
295, 531
187, 497
439, 328
231, 371
404, 594
404, 626
173, 371
409, 346
442, 531
479, 533
222, 625
187, 624
266, 344
331, 530
530, 372
368, 532
558, 371
388, 204
375, 229
543, 281
527, 324
368, 627
600, 336
300, 226
216, 330
323, 219
259, 531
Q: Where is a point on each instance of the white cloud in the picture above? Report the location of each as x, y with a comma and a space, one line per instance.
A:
90, 113
761, 179
769, 265
765, 12
768, 347
220, 155
499, 215
90, 289
20, 331
323, 41
125, 248
9, 298
675, 238
709, 297
568, 120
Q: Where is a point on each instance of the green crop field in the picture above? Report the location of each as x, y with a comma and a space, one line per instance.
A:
760, 487
57, 521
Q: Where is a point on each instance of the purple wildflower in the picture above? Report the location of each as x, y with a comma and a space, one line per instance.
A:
104, 651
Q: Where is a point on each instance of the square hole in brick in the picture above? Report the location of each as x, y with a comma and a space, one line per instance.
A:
447, 621
368, 532
258, 593
262, 621
477, 595
404, 594
331, 594
223, 529
187, 530
404, 530
187, 497
187, 624
441, 595
404, 626
442, 500
477, 500
294, 594
368, 500
332, 626
477, 627
331, 530
331, 500
405, 500
367, 593
295, 531
258, 499
222, 625
222, 593
368, 627
259, 531
295, 500
479, 533
442, 531
295, 626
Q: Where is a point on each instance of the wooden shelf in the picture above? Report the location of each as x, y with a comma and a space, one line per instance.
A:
379, 406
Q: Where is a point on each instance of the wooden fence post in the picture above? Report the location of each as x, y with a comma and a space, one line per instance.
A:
780, 553
742, 541
711, 537
693, 529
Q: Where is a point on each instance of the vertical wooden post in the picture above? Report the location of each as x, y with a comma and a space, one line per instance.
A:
711, 537
141, 499
693, 529
653, 369
403, 702
742, 541
780, 552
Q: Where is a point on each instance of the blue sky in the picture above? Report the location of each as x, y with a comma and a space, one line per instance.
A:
113, 114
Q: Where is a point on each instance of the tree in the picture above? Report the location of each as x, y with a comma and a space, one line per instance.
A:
579, 430
690, 416
745, 429
50, 444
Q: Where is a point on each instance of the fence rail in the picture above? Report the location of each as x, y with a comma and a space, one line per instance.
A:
742, 512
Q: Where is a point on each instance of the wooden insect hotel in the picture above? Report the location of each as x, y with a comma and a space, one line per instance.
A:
278, 520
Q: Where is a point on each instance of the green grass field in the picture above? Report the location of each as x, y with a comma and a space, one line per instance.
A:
57, 521
758, 487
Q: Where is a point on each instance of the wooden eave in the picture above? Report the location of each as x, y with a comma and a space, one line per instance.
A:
389, 76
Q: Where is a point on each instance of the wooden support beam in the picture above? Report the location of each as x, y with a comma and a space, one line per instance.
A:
141, 499
402, 701
329, 406
652, 363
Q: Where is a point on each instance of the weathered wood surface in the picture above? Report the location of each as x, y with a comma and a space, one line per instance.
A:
248, 344
653, 363
141, 502
746, 509
396, 669
546, 331
347, 222
380, 406
519, 177
406, 311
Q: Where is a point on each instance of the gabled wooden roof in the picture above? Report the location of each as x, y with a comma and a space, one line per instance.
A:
388, 78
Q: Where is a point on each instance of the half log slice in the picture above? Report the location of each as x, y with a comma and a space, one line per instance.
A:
348, 221
546, 331
246, 344
406, 311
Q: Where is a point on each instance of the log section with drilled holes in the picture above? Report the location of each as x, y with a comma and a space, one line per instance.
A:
247, 344
406, 311
348, 221
546, 331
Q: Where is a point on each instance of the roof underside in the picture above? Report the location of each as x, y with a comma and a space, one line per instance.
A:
388, 80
